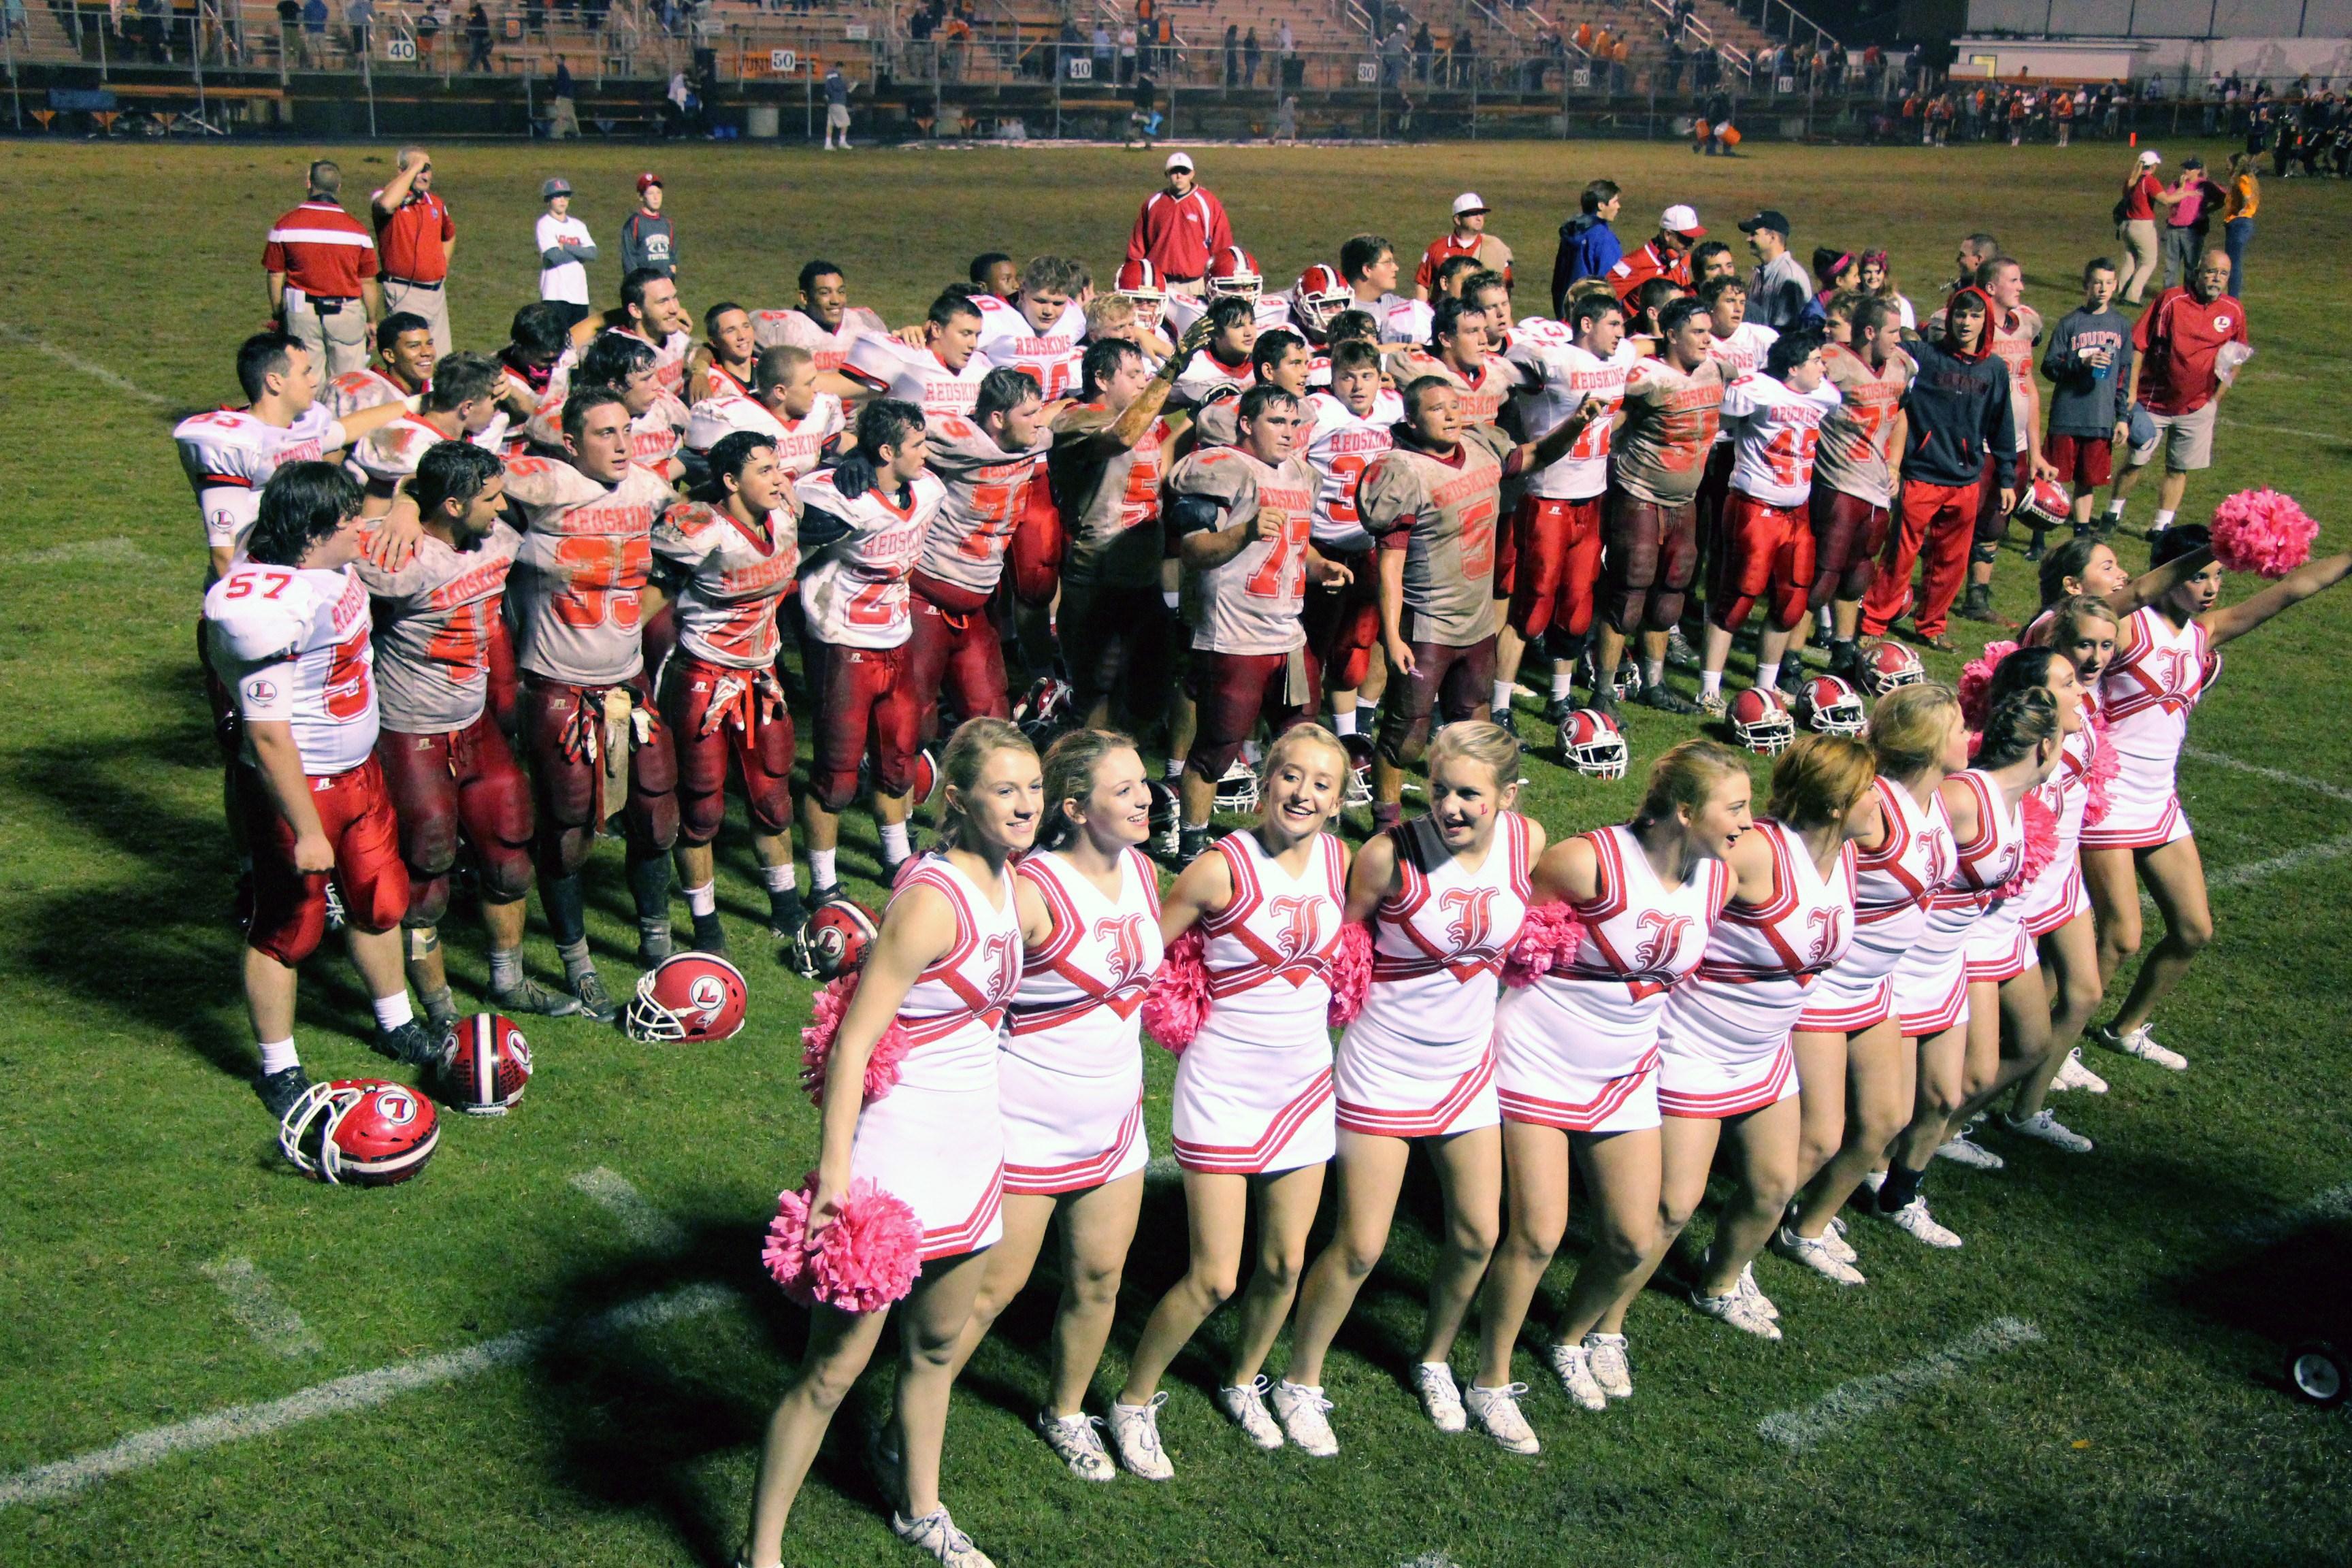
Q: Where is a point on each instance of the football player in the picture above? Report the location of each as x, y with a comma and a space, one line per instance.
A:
1738, 344
1348, 425
720, 365
783, 406
1409, 321
1223, 366
824, 321
1041, 330
404, 368
621, 364
536, 344
651, 313
1369, 265
1279, 358
1457, 354
1853, 478
1139, 283
941, 377
462, 405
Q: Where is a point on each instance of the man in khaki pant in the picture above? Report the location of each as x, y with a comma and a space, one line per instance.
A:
2135, 216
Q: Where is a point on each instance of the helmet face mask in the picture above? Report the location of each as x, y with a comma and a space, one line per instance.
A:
1760, 722
1593, 744
1139, 283
1237, 792
2045, 504
688, 996
365, 1132
1234, 275
1829, 706
1888, 666
1319, 298
835, 940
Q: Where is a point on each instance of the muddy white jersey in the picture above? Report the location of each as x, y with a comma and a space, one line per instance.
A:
987, 490
717, 381
390, 453
1570, 377
579, 580
953, 1012
1852, 456
800, 329
853, 590
1269, 953
1340, 444
2147, 695
799, 442
229, 454
1270, 313
1075, 1014
1751, 982
1251, 604
1984, 863
1671, 417
915, 376
432, 622
1205, 378
1442, 510
1741, 353
1052, 357
1776, 428
734, 578
1438, 943
292, 643
1483, 391
355, 392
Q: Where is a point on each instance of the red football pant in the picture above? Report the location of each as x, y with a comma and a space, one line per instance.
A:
504, 679
466, 781
1848, 534
1768, 557
1343, 623
1033, 555
753, 728
1234, 692
1653, 551
289, 907
956, 651
1555, 565
865, 700
1458, 681
567, 773
1939, 520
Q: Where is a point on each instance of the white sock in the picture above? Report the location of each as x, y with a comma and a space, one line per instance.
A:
1825, 622
894, 841
1710, 681
779, 879
1503, 694
821, 872
2163, 521
277, 1056
703, 901
1175, 769
1654, 671
505, 968
2115, 507
1768, 674
1563, 677
1343, 721
393, 1011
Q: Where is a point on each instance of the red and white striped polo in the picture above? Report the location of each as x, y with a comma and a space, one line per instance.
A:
323, 250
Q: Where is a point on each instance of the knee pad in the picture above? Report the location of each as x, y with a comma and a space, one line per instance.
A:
771, 803
1984, 551
381, 902
563, 848
504, 870
651, 821
699, 817
428, 901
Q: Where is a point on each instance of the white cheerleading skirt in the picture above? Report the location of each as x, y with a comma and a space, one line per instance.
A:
2057, 895
1998, 948
1723, 1054
1249, 1106
1856, 992
941, 1154
2143, 809
1064, 1132
1390, 1086
1931, 990
1555, 1070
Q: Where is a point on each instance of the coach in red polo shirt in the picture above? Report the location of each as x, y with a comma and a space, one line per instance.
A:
1179, 228
415, 240
322, 265
2177, 376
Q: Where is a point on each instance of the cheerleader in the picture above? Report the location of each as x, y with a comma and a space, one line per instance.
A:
1931, 990
1726, 1065
1445, 894
946, 962
1253, 1115
1577, 1061
1070, 1074
1855, 1056
2164, 659
2087, 565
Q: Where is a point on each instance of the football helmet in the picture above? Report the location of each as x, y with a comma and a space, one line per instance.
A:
1320, 296
1049, 708
690, 997
1888, 666
359, 1132
1593, 744
1759, 722
1233, 273
1237, 792
925, 782
2045, 503
1141, 282
485, 1064
835, 940
1358, 791
1831, 706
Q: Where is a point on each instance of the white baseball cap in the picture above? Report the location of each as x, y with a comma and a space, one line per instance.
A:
2149, 158
1681, 220
1178, 161
1469, 201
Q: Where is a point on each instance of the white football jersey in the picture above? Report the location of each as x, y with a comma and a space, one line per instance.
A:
1776, 428
579, 580
355, 392
1206, 377
1339, 444
799, 442
1570, 375
1482, 393
1741, 353
1270, 311
292, 643
1251, 604
915, 376
798, 329
229, 454
987, 490
390, 453
735, 578
434, 619
853, 590
1052, 358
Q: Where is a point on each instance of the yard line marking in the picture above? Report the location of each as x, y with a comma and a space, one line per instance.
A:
1849, 1403
253, 1301
2293, 861
2223, 760
646, 1225
2336, 1203
343, 1395
2282, 430
17, 334
1430, 1560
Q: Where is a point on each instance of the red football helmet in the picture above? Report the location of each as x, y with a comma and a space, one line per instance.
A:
1235, 272
360, 1132
692, 997
1759, 722
1319, 298
1888, 666
1831, 706
1141, 282
926, 781
485, 1064
1593, 744
2045, 503
835, 940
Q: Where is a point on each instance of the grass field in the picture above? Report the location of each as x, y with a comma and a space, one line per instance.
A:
2140, 1419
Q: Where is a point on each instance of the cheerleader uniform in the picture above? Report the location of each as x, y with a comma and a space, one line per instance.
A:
1254, 1089
1891, 886
1931, 991
1578, 1048
2057, 896
1071, 1075
2147, 696
1419, 1061
936, 1141
1724, 1043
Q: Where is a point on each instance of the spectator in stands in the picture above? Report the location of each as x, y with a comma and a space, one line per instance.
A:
289, 25
359, 16
478, 38
1588, 248
414, 237
314, 33
1232, 54
563, 118
1287, 43
1424, 49
1251, 56
1180, 228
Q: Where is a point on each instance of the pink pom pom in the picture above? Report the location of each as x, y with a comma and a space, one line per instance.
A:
2040, 845
865, 1259
1545, 940
1178, 997
1351, 974
2262, 531
826, 1012
1976, 683
2105, 763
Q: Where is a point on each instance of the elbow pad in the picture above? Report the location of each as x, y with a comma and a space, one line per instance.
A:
1193, 513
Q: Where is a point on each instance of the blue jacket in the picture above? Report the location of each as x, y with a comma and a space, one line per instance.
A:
1588, 248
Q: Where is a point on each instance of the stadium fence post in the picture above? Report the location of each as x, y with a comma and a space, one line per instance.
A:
1473, 98
367, 80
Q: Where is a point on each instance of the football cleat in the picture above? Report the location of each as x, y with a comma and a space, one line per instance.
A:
1593, 744
1141, 282
528, 995
1759, 722
689, 996
485, 1065
2045, 504
281, 1089
1234, 275
1237, 792
834, 942
1887, 665
1320, 296
359, 1132
407, 1044
1830, 706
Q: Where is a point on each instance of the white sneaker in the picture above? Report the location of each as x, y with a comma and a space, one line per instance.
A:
2073, 1073
1135, 1433
1441, 1399
1300, 1409
1813, 1252
1497, 1412
1755, 1293
2141, 1044
1740, 1311
1073, 1438
1573, 1367
1914, 1217
936, 1533
1247, 1406
1959, 1149
2044, 1128
1612, 1369
1834, 1238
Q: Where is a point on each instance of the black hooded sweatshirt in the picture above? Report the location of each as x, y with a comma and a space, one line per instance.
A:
1959, 409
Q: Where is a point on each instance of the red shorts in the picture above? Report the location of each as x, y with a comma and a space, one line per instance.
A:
716, 714
563, 735
1768, 555
1033, 555
289, 907
1114, 639
1456, 682
1848, 534
866, 704
1234, 692
466, 781
2084, 462
1556, 550
1343, 623
958, 652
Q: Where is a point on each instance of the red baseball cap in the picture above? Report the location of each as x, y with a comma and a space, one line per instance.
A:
647, 178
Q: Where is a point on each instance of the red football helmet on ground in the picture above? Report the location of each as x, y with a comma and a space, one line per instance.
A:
485, 1064
690, 997
1888, 666
2045, 503
1593, 744
1759, 722
1831, 707
1320, 296
1235, 272
1141, 282
926, 779
835, 940
359, 1132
